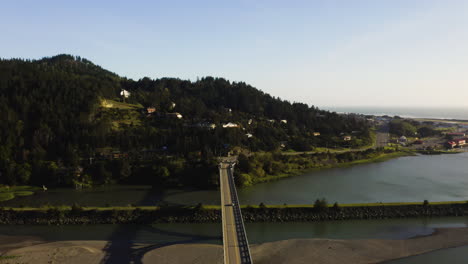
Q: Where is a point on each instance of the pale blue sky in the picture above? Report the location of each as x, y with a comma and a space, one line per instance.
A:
325, 53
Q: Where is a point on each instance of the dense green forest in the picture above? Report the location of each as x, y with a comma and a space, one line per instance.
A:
68, 122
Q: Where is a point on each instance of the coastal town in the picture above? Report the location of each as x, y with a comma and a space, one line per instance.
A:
420, 134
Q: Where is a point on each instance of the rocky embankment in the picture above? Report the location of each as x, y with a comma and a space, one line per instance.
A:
191, 215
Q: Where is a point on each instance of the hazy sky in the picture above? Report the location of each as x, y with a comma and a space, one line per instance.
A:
325, 53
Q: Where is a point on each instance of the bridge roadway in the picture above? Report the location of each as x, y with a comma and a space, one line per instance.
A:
235, 244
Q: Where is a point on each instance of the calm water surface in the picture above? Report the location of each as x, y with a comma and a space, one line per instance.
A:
405, 179
257, 232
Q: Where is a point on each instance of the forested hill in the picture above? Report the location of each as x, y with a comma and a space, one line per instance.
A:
60, 114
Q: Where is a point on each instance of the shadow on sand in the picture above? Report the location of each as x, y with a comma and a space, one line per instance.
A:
122, 249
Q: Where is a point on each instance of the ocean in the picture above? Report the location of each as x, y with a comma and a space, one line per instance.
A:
411, 112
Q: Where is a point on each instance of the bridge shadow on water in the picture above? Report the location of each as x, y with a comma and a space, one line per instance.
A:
123, 246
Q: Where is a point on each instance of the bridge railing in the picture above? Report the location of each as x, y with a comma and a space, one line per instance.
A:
241, 234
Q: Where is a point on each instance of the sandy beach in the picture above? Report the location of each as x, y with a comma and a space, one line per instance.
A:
327, 251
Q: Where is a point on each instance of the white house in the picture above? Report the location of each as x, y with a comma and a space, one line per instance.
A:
125, 93
176, 115
228, 125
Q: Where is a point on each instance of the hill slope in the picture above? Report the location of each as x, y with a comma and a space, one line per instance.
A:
61, 113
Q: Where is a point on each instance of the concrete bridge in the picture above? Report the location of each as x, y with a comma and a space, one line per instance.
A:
235, 244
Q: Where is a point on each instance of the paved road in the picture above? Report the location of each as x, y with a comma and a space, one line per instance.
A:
235, 244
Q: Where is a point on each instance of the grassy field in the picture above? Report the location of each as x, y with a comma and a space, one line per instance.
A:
8, 193
122, 114
107, 103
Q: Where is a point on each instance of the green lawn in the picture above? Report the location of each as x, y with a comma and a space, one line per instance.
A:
8, 193
107, 103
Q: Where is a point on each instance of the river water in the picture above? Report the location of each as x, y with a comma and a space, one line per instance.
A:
405, 179
168, 234
416, 178
257, 232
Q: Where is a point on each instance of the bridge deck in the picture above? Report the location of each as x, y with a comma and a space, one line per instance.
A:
235, 244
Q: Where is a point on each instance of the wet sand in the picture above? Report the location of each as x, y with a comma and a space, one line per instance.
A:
33, 250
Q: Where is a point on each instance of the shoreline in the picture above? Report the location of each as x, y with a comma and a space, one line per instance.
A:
329, 251
380, 158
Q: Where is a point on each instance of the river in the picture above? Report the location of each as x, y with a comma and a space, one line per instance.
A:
405, 179
415, 178
168, 234
257, 232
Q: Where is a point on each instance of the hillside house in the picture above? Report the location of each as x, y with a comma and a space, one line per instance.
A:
316, 134
230, 125
451, 144
347, 138
150, 110
460, 142
174, 115
402, 139
125, 93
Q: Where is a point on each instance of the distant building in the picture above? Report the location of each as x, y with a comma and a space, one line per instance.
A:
347, 138
249, 135
174, 115
118, 155
125, 93
460, 142
316, 134
284, 121
451, 144
402, 139
230, 125
150, 110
